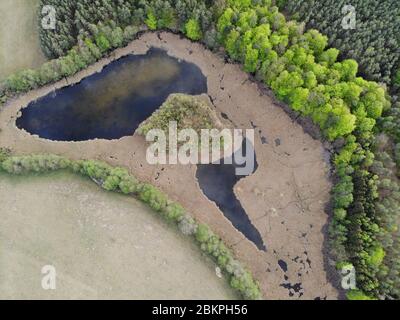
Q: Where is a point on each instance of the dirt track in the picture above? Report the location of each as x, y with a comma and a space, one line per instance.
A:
284, 199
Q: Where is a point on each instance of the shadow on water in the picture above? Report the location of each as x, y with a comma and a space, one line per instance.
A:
217, 181
112, 103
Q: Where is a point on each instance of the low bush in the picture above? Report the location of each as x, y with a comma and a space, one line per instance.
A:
187, 225
34, 164
240, 279
4, 154
189, 112
357, 295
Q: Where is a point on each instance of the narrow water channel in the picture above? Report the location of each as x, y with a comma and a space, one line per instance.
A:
217, 181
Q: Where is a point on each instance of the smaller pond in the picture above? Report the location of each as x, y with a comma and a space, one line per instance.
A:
111, 104
217, 181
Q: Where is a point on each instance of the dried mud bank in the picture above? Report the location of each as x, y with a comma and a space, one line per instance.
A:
285, 198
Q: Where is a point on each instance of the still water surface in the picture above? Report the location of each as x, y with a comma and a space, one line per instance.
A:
112, 103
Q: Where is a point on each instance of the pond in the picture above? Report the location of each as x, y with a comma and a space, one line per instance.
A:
112, 103
217, 181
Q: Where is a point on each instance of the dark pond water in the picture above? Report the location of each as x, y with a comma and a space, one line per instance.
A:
111, 104
217, 182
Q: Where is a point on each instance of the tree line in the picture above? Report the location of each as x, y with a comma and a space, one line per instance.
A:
74, 19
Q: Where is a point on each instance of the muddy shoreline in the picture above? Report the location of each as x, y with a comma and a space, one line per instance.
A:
285, 199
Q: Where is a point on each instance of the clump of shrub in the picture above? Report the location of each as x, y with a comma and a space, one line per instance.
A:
240, 279
189, 112
188, 226
357, 295
153, 197
34, 164
4, 154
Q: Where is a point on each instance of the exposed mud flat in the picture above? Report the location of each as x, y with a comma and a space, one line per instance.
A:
285, 198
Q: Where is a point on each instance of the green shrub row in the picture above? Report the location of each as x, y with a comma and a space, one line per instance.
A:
34, 163
188, 111
119, 180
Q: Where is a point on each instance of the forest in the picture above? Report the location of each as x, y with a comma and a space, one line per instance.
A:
375, 41
321, 74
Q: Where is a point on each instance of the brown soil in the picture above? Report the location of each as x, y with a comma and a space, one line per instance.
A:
285, 198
